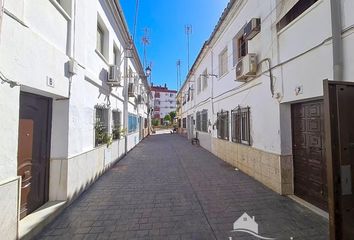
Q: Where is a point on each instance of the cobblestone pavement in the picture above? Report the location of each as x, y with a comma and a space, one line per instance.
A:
168, 189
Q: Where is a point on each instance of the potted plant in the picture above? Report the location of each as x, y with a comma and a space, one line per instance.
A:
101, 135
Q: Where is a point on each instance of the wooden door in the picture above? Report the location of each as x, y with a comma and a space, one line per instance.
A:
339, 119
310, 180
33, 151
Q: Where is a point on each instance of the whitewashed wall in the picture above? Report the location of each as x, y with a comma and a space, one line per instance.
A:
33, 50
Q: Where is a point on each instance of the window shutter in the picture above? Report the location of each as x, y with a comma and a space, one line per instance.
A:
283, 7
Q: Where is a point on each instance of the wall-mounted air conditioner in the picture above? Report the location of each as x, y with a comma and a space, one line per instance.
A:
246, 67
114, 75
252, 28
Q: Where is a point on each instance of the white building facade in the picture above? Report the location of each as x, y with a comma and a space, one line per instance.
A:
270, 124
74, 100
164, 101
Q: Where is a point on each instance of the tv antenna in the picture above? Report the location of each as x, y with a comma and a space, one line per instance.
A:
188, 31
146, 42
178, 64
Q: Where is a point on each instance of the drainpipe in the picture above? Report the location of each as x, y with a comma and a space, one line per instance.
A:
212, 80
1, 13
126, 100
337, 40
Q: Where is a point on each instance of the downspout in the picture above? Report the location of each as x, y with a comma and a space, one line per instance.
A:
212, 94
336, 22
126, 100
2, 3
212, 80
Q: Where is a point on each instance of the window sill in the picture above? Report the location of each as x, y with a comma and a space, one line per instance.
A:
101, 145
224, 139
243, 143
60, 9
131, 133
101, 56
300, 17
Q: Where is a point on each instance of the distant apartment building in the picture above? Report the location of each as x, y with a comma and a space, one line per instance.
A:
163, 101
256, 95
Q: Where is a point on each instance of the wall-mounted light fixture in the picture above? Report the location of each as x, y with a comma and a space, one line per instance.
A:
148, 71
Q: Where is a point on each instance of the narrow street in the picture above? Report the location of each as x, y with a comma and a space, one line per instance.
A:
167, 188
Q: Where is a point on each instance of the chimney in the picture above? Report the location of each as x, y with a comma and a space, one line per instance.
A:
165, 85
254, 219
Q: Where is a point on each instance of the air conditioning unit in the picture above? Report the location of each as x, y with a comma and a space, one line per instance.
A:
114, 75
252, 28
246, 67
131, 90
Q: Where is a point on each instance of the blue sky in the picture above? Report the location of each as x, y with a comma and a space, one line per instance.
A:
165, 20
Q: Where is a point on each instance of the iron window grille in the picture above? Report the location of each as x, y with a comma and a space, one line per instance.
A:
101, 124
198, 122
240, 119
184, 123
204, 127
222, 125
116, 119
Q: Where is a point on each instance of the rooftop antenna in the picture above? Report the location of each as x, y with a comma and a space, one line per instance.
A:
146, 42
188, 31
178, 64
136, 18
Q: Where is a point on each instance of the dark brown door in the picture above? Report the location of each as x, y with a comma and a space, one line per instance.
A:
339, 119
33, 151
310, 181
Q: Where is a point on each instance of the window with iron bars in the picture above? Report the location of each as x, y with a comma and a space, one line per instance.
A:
198, 122
184, 123
204, 127
116, 120
240, 121
101, 125
223, 125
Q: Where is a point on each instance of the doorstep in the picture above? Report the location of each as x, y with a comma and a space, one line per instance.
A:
308, 205
32, 224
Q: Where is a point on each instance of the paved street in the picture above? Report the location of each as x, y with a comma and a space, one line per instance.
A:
168, 189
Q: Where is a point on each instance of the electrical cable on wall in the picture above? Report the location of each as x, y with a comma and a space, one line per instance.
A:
8, 81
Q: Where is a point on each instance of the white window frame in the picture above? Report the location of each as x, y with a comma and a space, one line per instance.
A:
199, 84
223, 62
100, 39
205, 79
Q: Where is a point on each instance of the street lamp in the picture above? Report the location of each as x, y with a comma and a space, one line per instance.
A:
148, 71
